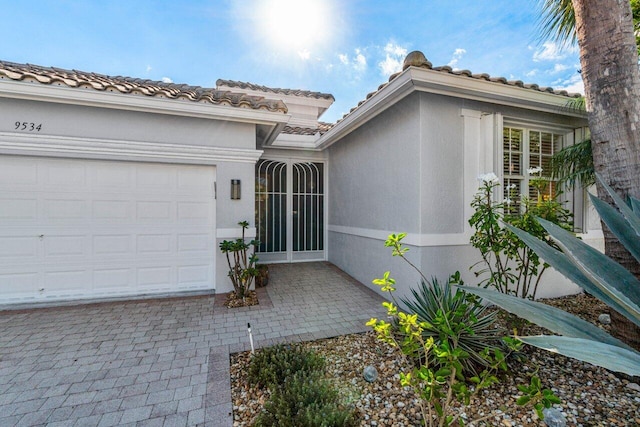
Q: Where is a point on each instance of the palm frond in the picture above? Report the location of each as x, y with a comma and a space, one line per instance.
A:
576, 104
557, 21
574, 164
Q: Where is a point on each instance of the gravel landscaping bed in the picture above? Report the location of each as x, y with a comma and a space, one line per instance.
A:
590, 396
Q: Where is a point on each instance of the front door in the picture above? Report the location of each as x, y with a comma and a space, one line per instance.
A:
290, 211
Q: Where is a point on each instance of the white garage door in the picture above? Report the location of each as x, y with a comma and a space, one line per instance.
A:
73, 229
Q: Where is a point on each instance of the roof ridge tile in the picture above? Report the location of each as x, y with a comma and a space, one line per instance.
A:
283, 91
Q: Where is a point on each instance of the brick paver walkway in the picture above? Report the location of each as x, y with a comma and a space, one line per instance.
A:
162, 362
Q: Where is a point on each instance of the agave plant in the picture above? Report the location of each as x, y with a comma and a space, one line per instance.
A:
457, 317
597, 274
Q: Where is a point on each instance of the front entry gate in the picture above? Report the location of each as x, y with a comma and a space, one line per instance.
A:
290, 211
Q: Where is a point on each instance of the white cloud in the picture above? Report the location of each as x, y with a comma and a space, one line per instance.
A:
304, 54
531, 73
558, 68
167, 80
394, 57
457, 55
553, 52
395, 50
358, 63
572, 84
149, 68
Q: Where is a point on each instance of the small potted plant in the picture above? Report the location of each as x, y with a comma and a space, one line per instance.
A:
262, 279
242, 262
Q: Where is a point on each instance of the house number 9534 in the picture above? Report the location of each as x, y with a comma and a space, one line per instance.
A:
27, 126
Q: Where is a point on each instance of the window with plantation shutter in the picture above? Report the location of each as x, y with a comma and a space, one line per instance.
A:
527, 154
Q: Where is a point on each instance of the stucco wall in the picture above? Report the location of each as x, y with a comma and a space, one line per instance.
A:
374, 173
230, 212
101, 123
412, 169
442, 165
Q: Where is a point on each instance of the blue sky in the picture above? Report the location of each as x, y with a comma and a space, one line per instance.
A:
343, 47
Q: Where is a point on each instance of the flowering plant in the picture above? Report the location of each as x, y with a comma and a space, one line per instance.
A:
507, 263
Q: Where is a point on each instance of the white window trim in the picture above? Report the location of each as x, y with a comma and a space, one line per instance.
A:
575, 197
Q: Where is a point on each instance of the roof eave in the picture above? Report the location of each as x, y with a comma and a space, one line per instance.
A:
432, 81
490, 91
119, 101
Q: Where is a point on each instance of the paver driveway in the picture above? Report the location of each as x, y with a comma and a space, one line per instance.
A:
162, 362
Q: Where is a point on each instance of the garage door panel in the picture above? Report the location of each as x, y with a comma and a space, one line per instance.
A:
19, 247
65, 176
195, 180
112, 244
65, 209
156, 178
188, 243
19, 174
69, 245
70, 281
154, 210
194, 211
113, 279
190, 275
111, 210
155, 278
18, 209
17, 285
154, 243
83, 229
112, 176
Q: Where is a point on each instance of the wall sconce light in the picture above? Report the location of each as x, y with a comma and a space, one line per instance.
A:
235, 189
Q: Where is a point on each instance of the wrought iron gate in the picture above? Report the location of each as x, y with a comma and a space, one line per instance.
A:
290, 210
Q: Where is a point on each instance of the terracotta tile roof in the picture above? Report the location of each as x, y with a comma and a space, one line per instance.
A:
134, 86
417, 59
293, 92
321, 129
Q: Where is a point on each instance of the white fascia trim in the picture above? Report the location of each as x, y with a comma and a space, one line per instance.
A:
235, 233
307, 142
413, 239
91, 148
437, 82
130, 102
487, 91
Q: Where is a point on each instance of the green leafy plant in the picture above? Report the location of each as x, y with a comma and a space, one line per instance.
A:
574, 165
300, 395
456, 317
539, 397
594, 272
437, 377
271, 366
507, 264
242, 270
305, 400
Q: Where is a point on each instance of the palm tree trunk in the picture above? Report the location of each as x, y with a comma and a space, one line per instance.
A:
609, 61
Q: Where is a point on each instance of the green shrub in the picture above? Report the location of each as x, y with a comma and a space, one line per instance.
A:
242, 270
271, 366
305, 400
437, 377
507, 264
458, 318
597, 274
